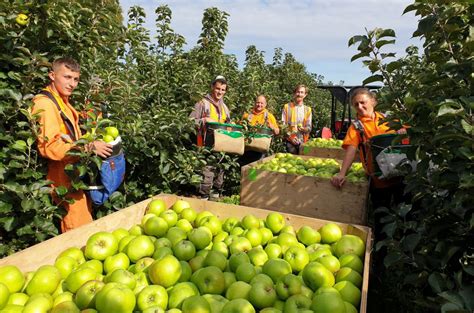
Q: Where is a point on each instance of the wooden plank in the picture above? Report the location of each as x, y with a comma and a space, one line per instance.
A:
305, 195
45, 253
322, 152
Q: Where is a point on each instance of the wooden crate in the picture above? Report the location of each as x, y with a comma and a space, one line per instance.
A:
329, 153
45, 253
304, 195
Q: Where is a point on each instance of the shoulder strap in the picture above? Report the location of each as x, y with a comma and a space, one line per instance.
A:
265, 118
359, 127
65, 119
288, 113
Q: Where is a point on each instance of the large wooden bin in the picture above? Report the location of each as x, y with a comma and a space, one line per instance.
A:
45, 253
304, 195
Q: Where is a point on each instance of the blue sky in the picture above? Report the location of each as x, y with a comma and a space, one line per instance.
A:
316, 32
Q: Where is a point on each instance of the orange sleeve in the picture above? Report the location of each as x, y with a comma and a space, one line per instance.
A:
245, 116
272, 121
50, 143
352, 138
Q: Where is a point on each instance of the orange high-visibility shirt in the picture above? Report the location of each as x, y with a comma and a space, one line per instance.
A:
372, 127
258, 118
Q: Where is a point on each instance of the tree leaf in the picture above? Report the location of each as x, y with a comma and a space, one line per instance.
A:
437, 282
381, 43
372, 79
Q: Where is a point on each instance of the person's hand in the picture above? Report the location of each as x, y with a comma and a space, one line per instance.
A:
402, 131
101, 148
338, 180
302, 129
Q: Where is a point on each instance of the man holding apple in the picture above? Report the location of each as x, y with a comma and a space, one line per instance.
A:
297, 117
58, 131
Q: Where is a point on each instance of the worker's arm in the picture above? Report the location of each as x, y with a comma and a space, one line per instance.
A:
339, 179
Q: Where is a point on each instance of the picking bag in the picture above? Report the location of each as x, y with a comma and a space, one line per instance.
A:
259, 141
225, 138
112, 173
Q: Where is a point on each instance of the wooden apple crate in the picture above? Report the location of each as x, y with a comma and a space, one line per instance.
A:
329, 153
304, 195
45, 253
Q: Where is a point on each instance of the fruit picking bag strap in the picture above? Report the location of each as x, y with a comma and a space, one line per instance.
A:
359, 127
289, 115
65, 119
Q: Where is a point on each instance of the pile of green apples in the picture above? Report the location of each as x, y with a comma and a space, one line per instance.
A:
324, 143
179, 260
288, 163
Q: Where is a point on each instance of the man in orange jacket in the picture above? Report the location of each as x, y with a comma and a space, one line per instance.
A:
59, 129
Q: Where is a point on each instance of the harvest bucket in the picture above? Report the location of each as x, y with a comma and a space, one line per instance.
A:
225, 138
259, 140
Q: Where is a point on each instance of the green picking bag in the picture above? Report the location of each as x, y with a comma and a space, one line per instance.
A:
225, 138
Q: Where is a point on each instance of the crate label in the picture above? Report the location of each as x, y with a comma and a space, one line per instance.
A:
252, 175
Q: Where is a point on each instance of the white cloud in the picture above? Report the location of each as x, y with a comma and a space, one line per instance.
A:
316, 32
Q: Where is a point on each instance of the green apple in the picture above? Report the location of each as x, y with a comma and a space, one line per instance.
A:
258, 256
139, 247
328, 302
201, 237
330, 233
170, 216
123, 277
200, 216
222, 248
112, 131
261, 277
4, 295
348, 274
152, 295
297, 257
349, 244
175, 234
216, 302
275, 222
215, 258
266, 233
229, 278
288, 285
40, 302
353, 261
213, 223
262, 295
185, 225
286, 240
254, 236
96, 265
12, 277
189, 214
156, 226
180, 292
230, 223
180, 205
78, 277
245, 272
162, 242
296, 303
237, 231
350, 308
250, 221
65, 265
86, 294
186, 271
142, 281
156, 206
238, 306
330, 262
115, 298
136, 230
18, 298
276, 268
62, 297
240, 244
196, 262
196, 304
273, 250
165, 272
238, 290
162, 252
143, 264
209, 280
124, 242
45, 280
101, 245
315, 275
113, 262
308, 235
184, 250
120, 233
